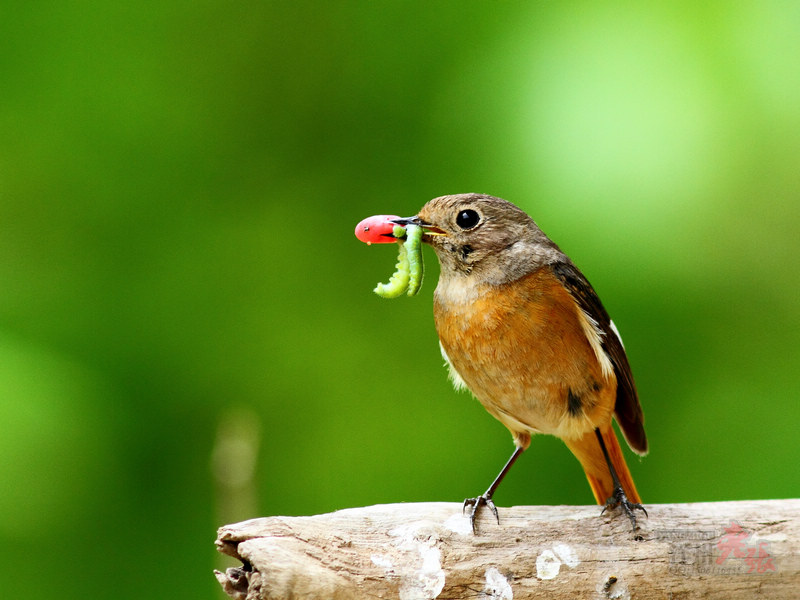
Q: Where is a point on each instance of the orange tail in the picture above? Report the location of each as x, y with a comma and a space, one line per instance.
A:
587, 450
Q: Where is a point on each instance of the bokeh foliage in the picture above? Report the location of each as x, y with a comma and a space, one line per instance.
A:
179, 182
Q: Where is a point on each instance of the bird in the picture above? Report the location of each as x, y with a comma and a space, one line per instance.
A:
522, 328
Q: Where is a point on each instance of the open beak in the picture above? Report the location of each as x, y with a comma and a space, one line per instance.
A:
427, 227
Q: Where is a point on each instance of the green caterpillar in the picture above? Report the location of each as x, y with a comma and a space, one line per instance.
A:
407, 276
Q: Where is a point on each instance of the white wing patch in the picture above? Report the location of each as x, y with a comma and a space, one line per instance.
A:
616, 332
595, 337
458, 381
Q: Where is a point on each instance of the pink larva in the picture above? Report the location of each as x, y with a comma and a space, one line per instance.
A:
376, 229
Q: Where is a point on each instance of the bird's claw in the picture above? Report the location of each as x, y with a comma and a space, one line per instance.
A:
620, 499
475, 505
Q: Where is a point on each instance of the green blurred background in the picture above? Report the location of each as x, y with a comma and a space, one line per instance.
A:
188, 335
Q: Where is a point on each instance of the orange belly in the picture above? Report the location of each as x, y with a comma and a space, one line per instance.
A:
523, 351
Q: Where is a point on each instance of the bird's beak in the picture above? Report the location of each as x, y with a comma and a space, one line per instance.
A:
415, 220
410, 221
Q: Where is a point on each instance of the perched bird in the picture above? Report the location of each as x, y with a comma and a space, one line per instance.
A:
521, 328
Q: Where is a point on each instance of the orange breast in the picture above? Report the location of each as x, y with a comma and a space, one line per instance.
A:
521, 349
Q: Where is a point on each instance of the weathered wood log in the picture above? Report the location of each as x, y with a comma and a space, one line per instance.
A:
724, 550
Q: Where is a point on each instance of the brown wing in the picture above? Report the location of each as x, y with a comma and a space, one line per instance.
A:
627, 409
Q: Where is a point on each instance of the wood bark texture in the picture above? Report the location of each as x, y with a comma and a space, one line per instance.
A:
720, 550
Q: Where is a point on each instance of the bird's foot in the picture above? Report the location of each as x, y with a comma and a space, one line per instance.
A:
620, 499
475, 504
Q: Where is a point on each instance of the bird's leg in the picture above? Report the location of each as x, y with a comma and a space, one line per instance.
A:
486, 498
618, 498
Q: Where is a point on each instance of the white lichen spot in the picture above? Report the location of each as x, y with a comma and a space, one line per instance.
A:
425, 578
428, 580
567, 555
547, 565
619, 591
497, 586
382, 561
613, 587
458, 523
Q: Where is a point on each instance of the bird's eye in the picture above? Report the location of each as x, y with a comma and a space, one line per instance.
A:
467, 219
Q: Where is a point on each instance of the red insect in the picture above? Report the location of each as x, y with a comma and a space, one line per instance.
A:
377, 229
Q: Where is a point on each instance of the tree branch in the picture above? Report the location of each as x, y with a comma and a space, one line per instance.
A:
724, 550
